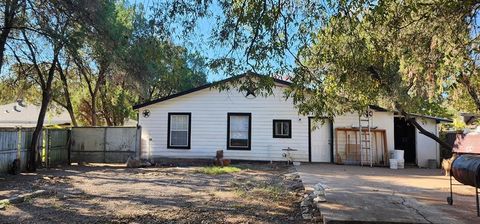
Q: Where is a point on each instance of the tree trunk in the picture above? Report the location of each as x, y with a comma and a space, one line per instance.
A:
94, 93
68, 101
9, 17
93, 109
46, 86
72, 115
32, 151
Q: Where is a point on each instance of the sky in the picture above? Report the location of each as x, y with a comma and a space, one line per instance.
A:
199, 40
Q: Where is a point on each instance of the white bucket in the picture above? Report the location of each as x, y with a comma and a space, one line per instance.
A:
398, 155
400, 163
393, 164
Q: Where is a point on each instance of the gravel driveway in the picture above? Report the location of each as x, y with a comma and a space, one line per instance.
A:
259, 193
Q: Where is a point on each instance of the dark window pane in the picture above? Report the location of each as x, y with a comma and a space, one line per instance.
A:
239, 142
281, 129
239, 130
286, 128
278, 128
179, 138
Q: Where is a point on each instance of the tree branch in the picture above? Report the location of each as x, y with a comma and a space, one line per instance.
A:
423, 131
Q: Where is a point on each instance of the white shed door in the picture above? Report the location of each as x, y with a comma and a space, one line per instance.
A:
320, 141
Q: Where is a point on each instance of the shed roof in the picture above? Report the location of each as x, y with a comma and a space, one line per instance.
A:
14, 115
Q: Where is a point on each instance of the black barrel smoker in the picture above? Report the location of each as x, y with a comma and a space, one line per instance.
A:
466, 167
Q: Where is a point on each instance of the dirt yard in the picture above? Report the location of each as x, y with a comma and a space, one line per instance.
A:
258, 193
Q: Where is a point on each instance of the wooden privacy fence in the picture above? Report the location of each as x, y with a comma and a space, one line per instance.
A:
104, 144
56, 147
14, 143
63, 146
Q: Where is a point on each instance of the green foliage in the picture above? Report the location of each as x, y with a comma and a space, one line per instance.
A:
216, 170
112, 59
397, 54
404, 55
159, 67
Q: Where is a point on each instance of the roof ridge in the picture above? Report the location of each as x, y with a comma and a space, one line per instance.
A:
208, 85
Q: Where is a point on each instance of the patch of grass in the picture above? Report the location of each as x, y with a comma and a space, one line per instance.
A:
259, 190
272, 192
4, 204
216, 170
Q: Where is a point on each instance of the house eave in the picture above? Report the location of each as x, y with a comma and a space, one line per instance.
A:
209, 85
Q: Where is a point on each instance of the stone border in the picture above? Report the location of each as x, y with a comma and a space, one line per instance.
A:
308, 206
21, 198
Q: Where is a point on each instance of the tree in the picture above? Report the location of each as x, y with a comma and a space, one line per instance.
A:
36, 47
162, 68
62, 94
42, 69
10, 19
157, 65
404, 55
96, 51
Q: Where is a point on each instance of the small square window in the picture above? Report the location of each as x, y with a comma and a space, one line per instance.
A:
282, 128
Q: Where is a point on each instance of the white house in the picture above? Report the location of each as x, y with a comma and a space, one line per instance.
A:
198, 122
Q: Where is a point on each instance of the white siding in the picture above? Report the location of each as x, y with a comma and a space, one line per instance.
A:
427, 148
209, 109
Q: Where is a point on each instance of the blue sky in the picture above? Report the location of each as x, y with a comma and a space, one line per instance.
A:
200, 39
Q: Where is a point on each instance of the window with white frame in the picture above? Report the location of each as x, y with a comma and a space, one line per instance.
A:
179, 130
239, 131
282, 128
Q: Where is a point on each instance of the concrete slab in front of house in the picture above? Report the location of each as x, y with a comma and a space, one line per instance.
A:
373, 195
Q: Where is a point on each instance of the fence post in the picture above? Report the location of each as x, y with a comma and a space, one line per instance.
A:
46, 139
105, 145
19, 143
137, 143
69, 143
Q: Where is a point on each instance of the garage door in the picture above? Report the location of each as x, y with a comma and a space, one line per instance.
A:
320, 140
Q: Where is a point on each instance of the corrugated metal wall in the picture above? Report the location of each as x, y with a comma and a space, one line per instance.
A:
104, 144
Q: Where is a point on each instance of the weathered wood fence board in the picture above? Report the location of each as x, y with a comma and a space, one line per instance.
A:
57, 147
62, 146
104, 144
14, 144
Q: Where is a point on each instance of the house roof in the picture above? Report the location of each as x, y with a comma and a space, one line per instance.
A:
213, 84
209, 85
470, 118
437, 119
26, 115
